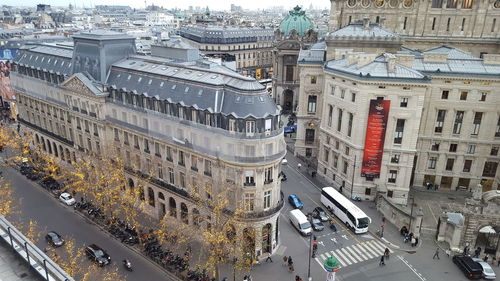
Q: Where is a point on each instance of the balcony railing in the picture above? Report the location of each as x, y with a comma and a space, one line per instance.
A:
261, 214
46, 132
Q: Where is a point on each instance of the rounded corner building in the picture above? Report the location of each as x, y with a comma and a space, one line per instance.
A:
193, 125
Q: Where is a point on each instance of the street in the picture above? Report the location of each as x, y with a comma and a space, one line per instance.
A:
50, 214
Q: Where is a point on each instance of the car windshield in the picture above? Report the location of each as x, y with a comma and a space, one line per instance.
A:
316, 221
305, 225
68, 197
99, 253
363, 222
487, 270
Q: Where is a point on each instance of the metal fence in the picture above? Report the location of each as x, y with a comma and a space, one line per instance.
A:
37, 259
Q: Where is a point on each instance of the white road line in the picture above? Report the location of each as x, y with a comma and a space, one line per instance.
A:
347, 255
432, 213
364, 246
354, 254
377, 250
384, 246
320, 264
342, 262
379, 245
411, 268
322, 257
362, 253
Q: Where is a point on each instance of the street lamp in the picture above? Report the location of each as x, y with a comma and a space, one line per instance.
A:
310, 254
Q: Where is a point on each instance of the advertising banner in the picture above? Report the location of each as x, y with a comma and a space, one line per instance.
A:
375, 136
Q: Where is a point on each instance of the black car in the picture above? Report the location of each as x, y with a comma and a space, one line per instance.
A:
319, 213
98, 255
317, 225
470, 268
54, 239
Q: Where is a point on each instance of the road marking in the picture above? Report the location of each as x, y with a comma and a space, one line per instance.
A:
354, 254
359, 252
321, 242
365, 246
322, 256
432, 213
342, 262
382, 246
334, 240
377, 250
345, 237
347, 256
412, 269
320, 264
319, 205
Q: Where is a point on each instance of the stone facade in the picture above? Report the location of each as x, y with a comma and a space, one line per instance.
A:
470, 25
183, 149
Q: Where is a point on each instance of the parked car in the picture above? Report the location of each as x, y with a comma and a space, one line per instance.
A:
67, 199
50, 183
294, 200
98, 255
317, 225
488, 272
300, 222
319, 213
54, 239
470, 268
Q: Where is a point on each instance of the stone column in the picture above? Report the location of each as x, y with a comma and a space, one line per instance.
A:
417, 222
443, 218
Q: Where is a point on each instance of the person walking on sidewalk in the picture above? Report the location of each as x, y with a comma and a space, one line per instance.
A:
285, 260
387, 253
290, 261
436, 254
291, 268
298, 166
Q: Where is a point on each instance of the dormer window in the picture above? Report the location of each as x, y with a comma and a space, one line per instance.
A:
250, 128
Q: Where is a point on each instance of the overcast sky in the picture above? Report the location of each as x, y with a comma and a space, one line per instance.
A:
212, 4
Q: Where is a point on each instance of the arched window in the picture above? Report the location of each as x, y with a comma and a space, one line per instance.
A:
141, 193
172, 205
196, 217
161, 196
131, 185
184, 213
151, 197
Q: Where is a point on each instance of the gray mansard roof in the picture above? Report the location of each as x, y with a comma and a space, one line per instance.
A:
315, 55
226, 35
378, 68
216, 90
358, 30
456, 62
52, 58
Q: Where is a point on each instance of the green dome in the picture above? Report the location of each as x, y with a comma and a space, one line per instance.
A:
297, 20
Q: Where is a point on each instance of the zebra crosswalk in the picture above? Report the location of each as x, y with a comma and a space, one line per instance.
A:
355, 253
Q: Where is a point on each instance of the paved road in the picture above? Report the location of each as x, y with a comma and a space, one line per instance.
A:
49, 213
359, 255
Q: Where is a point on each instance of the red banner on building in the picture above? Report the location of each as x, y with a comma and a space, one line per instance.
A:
375, 136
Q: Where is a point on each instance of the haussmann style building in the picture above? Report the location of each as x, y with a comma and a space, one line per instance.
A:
193, 125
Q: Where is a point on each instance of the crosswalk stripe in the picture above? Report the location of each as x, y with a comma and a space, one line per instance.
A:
355, 248
379, 245
377, 250
363, 250
383, 246
347, 256
354, 254
339, 259
365, 246
322, 257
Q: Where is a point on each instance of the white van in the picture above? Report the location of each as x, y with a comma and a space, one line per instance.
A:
300, 222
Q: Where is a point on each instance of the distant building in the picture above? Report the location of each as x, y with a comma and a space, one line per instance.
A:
249, 50
43, 8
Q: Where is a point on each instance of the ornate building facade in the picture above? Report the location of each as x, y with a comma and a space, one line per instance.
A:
191, 125
470, 25
296, 32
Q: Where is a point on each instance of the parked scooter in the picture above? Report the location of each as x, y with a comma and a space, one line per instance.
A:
127, 265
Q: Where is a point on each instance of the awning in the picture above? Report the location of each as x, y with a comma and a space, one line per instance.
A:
487, 229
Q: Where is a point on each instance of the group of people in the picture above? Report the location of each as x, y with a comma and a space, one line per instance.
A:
409, 236
288, 261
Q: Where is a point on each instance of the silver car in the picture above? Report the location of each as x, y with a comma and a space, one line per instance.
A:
487, 270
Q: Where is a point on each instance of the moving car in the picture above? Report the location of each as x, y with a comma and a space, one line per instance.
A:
98, 255
317, 225
470, 268
300, 222
54, 239
319, 213
67, 199
487, 270
294, 200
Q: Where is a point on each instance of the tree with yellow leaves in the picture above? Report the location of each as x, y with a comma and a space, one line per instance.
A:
7, 205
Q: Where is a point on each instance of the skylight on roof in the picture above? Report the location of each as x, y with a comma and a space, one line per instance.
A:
164, 68
132, 63
175, 70
261, 99
174, 86
162, 83
215, 76
150, 81
139, 80
118, 76
186, 90
200, 92
129, 76
154, 66
200, 74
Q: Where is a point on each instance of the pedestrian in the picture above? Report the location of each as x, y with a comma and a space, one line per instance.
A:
387, 253
269, 257
485, 259
297, 278
466, 251
285, 260
382, 260
477, 252
413, 241
436, 254
290, 268
498, 263
245, 278
290, 261
416, 242
298, 166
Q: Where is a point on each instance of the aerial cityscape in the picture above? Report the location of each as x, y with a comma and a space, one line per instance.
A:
345, 140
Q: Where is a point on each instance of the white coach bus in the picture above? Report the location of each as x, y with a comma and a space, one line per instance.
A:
345, 210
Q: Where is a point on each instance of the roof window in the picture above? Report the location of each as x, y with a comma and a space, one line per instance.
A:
154, 66
261, 99
139, 80
118, 76
132, 63
176, 70
174, 86
200, 74
238, 99
150, 81
162, 83
164, 68
186, 90
200, 92
129, 76
215, 76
